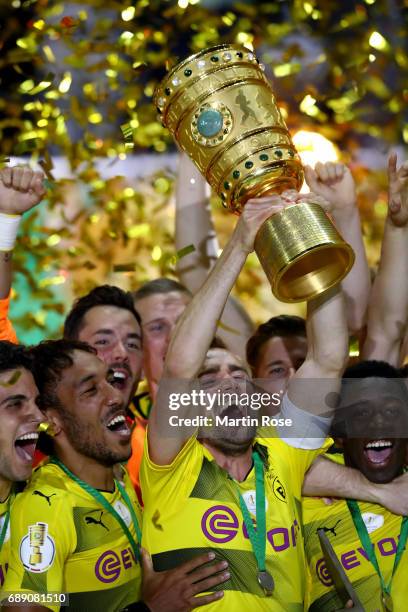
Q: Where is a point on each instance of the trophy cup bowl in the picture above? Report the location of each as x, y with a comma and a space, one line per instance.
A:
220, 108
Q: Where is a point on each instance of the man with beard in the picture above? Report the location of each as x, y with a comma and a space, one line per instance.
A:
202, 488
106, 319
371, 426
19, 417
66, 533
76, 528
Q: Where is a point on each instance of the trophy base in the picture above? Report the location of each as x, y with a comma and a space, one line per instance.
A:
302, 253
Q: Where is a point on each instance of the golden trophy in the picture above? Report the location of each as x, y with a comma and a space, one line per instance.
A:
37, 534
221, 110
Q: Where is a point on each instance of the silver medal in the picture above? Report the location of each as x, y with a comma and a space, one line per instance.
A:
267, 583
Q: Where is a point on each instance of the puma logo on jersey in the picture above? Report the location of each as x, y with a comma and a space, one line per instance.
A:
47, 497
90, 520
330, 529
155, 520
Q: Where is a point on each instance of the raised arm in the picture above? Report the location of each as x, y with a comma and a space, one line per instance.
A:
388, 311
194, 226
318, 378
20, 190
335, 183
197, 327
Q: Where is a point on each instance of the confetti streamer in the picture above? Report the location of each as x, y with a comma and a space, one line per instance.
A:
226, 328
15, 377
182, 253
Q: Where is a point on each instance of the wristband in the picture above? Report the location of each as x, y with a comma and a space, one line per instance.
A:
8, 231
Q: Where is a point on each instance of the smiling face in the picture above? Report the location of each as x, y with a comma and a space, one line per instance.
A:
226, 374
91, 415
116, 336
278, 360
377, 417
19, 417
160, 313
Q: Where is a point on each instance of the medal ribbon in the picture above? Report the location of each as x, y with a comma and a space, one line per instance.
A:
6, 520
257, 537
104, 502
4, 528
369, 548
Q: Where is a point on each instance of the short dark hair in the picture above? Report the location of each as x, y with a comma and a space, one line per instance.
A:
282, 326
159, 285
104, 295
50, 359
369, 368
13, 356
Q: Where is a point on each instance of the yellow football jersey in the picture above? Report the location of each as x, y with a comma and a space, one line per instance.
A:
5, 549
383, 527
63, 541
192, 507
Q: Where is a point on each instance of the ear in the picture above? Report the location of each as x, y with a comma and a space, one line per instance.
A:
53, 423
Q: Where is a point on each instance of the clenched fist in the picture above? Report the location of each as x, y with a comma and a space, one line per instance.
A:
397, 191
20, 189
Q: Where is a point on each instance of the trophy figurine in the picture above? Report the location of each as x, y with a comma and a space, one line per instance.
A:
221, 110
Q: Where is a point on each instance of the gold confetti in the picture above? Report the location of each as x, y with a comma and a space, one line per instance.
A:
15, 377
46, 428
125, 267
226, 328
123, 225
182, 253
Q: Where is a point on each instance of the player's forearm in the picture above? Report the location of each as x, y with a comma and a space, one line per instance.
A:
9, 224
5, 273
325, 478
20, 190
356, 285
191, 187
194, 225
388, 310
327, 335
327, 338
235, 327
198, 323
